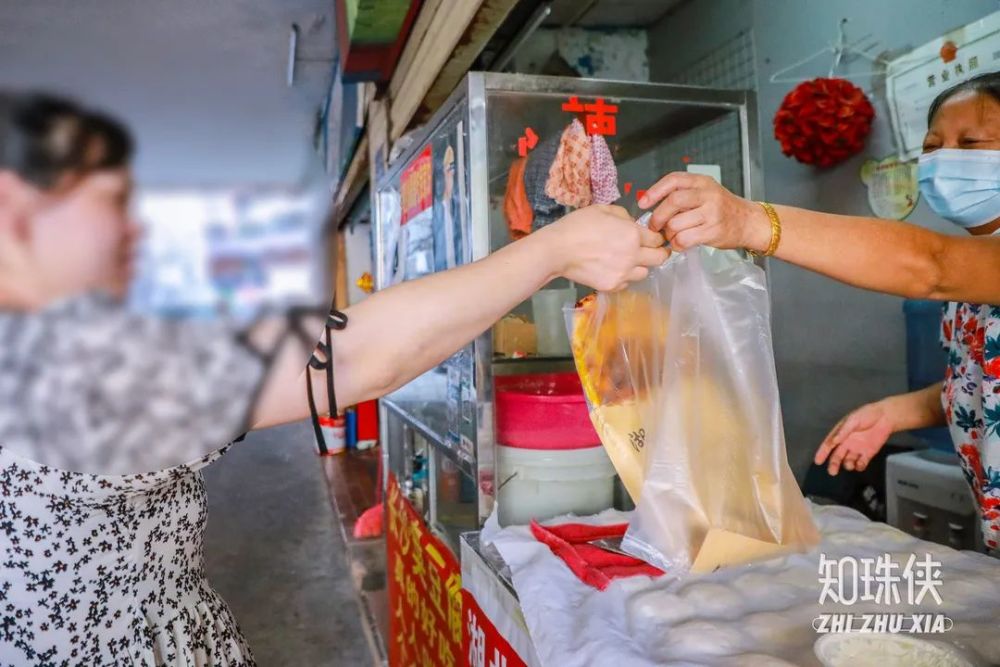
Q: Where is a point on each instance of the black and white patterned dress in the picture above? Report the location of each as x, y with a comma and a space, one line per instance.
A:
101, 560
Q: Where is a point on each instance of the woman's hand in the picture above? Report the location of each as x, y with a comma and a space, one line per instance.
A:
860, 435
602, 247
693, 210
857, 438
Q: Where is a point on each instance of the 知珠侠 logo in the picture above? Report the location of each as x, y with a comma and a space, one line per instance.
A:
881, 582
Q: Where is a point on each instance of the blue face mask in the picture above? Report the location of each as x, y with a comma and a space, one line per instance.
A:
962, 185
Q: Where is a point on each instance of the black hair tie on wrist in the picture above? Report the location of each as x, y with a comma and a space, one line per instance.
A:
335, 321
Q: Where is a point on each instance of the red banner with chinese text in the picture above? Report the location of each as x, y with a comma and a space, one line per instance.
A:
416, 186
425, 590
482, 644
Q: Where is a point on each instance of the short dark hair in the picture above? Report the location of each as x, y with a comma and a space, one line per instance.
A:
44, 138
982, 84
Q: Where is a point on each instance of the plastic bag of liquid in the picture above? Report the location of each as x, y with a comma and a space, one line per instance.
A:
679, 376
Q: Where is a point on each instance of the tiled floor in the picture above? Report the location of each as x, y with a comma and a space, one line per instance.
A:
352, 480
275, 553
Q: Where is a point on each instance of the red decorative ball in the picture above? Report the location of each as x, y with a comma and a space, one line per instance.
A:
823, 122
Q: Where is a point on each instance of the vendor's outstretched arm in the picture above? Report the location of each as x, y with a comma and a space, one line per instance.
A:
399, 333
886, 256
881, 255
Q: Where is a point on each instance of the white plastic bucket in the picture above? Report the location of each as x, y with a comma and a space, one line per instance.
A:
334, 434
541, 483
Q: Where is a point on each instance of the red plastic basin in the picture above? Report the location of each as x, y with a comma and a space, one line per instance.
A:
543, 411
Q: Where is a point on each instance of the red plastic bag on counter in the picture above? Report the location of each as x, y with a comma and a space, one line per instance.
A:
679, 375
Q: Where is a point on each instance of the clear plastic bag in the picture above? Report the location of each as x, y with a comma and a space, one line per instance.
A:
679, 374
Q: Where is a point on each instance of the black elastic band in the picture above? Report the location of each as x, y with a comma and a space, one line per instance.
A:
313, 413
336, 320
266, 359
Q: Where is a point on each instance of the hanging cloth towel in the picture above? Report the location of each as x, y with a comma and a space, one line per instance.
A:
592, 565
569, 177
516, 207
603, 172
546, 210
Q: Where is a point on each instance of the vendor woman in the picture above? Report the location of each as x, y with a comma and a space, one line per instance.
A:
106, 418
959, 174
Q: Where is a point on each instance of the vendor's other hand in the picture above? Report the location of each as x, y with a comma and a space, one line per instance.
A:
856, 439
603, 247
694, 210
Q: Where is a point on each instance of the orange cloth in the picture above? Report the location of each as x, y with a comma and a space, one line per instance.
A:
516, 207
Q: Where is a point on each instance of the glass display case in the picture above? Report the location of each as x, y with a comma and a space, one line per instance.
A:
454, 196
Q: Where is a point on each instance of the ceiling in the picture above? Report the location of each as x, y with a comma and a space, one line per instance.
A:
609, 13
202, 83
577, 13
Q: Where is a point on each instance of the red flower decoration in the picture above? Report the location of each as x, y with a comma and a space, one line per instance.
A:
823, 122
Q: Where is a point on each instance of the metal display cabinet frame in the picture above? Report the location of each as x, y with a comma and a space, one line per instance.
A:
407, 415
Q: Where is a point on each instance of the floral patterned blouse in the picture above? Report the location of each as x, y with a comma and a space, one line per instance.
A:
971, 398
106, 420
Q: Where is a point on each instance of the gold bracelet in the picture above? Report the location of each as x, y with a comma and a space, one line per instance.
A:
772, 215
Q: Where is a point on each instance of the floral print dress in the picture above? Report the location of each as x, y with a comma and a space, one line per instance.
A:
971, 400
100, 559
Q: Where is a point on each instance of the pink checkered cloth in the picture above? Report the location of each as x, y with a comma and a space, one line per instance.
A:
569, 176
603, 172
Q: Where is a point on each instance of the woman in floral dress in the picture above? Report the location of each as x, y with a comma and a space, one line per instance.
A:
959, 175
106, 418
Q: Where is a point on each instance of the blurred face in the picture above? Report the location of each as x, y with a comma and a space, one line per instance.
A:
967, 121
73, 239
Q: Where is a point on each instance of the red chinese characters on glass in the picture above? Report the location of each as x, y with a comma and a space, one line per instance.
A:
599, 116
527, 142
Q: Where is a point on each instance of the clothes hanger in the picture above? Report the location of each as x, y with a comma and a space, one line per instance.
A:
839, 49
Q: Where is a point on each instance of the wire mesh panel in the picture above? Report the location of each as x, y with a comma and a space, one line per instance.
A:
732, 65
717, 143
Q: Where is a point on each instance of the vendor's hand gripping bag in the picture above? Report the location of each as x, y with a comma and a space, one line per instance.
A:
679, 376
